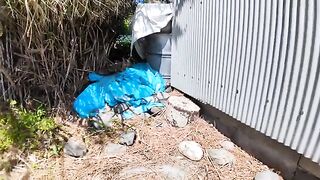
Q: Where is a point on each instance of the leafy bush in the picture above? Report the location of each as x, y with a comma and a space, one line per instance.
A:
24, 129
123, 41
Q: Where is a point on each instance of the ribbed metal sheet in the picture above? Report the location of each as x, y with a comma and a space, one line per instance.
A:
258, 61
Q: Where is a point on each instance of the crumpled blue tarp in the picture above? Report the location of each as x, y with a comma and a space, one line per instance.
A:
134, 86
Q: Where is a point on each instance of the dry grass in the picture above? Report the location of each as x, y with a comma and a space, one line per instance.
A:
48, 46
156, 145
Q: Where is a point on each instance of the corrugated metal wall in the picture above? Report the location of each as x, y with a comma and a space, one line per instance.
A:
257, 61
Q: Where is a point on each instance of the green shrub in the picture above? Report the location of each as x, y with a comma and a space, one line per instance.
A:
123, 41
24, 129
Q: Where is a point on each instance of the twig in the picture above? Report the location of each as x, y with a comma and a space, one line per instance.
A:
216, 170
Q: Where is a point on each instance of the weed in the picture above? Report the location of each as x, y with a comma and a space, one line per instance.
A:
24, 129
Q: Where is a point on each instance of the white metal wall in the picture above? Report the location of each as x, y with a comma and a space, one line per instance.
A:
257, 61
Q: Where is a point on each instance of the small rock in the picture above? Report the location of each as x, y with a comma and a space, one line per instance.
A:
127, 138
191, 150
166, 171
20, 172
266, 175
162, 96
127, 173
172, 172
221, 157
113, 150
144, 115
155, 110
169, 89
180, 111
33, 158
107, 118
227, 145
75, 147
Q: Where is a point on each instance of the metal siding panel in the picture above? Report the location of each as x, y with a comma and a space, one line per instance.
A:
305, 76
259, 69
252, 63
265, 70
265, 104
311, 78
246, 68
258, 61
309, 139
233, 50
231, 54
225, 56
289, 72
277, 74
197, 50
295, 111
279, 101
274, 68
238, 58
241, 59
204, 59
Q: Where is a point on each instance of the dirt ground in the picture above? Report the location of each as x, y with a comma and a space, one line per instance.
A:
156, 147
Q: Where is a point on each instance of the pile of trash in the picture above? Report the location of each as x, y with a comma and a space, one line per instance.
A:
127, 93
137, 89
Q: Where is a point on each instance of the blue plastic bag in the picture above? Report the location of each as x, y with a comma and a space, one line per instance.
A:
134, 86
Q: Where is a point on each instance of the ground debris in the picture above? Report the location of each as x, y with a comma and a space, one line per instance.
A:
155, 147
154, 155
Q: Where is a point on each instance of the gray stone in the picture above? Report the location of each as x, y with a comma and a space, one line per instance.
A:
166, 171
75, 147
172, 173
134, 171
127, 138
163, 96
221, 157
181, 111
169, 89
266, 175
20, 172
227, 145
191, 150
155, 110
107, 118
113, 150
144, 115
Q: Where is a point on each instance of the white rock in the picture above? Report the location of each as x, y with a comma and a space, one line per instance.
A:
221, 157
33, 158
107, 118
227, 145
266, 175
113, 150
191, 150
181, 111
